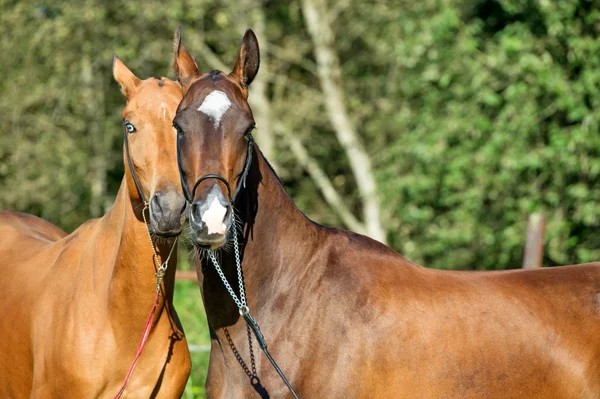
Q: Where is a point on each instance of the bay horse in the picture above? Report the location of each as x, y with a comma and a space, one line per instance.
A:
74, 306
344, 315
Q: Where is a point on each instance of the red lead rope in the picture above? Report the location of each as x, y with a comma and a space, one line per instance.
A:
141, 345
160, 274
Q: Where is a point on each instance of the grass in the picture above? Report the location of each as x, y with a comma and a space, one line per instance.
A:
188, 303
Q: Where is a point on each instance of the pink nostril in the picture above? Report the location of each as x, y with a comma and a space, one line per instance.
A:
213, 217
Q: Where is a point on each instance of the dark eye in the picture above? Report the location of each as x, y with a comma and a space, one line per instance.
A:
179, 131
249, 130
130, 128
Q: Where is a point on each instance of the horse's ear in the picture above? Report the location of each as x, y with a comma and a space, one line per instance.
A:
126, 79
246, 65
184, 66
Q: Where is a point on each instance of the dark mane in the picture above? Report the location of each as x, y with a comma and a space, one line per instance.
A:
271, 167
160, 81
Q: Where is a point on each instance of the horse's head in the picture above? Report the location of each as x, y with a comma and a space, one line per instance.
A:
214, 122
150, 148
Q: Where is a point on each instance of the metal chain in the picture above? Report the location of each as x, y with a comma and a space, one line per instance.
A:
237, 355
238, 263
252, 361
225, 282
245, 313
161, 269
160, 274
241, 301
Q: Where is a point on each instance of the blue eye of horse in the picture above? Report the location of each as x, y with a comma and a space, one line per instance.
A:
130, 128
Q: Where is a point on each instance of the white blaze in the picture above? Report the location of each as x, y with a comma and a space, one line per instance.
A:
162, 114
215, 105
213, 217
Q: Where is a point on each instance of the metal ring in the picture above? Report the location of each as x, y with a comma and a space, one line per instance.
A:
244, 310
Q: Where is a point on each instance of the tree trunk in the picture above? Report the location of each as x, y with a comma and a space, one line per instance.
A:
329, 71
332, 197
93, 97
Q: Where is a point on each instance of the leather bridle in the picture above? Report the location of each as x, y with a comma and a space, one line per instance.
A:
130, 164
244, 310
189, 196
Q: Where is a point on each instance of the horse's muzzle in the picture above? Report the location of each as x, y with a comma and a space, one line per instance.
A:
210, 219
166, 209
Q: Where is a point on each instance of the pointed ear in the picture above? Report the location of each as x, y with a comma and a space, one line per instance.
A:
246, 66
124, 77
184, 66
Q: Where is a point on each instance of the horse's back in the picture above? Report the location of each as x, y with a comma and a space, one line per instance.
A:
27, 247
15, 226
429, 333
520, 333
517, 333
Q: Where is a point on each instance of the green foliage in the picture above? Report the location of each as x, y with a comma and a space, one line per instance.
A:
188, 303
481, 113
476, 113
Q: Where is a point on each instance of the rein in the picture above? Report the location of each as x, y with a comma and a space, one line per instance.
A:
161, 269
245, 311
241, 301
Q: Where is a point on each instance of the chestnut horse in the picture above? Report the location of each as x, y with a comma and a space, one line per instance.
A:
345, 316
74, 306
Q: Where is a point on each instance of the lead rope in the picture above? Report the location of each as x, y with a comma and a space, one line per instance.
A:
243, 306
161, 269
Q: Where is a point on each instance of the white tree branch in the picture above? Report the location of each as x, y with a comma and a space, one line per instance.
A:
329, 71
332, 197
291, 58
260, 103
212, 59
253, 15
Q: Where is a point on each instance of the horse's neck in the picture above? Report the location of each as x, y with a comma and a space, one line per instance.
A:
123, 259
278, 232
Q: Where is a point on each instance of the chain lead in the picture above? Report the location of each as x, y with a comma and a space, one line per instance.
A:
161, 269
241, 301
238, 263
251, 323
160, 274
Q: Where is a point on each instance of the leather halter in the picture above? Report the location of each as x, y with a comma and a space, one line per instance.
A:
189, 196
135, 180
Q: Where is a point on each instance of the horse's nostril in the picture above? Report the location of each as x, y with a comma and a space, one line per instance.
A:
156, 204
195, 213
196, 222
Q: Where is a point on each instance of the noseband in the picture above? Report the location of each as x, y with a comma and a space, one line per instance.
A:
242, 177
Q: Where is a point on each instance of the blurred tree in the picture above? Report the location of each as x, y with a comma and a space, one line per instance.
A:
473, 113
60, 140
328, 68
251, 15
